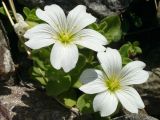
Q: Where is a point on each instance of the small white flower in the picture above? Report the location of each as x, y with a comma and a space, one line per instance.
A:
112, 85
65, 33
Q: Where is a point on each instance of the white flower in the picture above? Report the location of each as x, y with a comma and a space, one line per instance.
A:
65, 33
112, 85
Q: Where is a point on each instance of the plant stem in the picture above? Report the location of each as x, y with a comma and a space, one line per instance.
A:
156, 5
13, 9
8, 14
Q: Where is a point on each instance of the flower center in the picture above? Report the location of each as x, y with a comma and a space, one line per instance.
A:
65, 38
113, 84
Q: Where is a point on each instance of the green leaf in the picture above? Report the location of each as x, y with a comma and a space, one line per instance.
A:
124, 50
31, 15
103, 26
126, 60
138, 50
84, 103
26, 11
38, 71
39, 75
2, 11
77, 84
56, 87
38, 62
69, 98
42, 80
113, 30
94, 26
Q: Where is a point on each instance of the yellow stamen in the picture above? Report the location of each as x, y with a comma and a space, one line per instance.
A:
65, 38
113, 84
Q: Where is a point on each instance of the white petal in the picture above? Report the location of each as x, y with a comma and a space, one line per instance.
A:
93, 87
91, 39
91, 74
91, 34
135, 77
41, 30
78, 19
106, 103
132, 73
53, 15
37, 43
130, 99
111, 62
65, 56
39, 36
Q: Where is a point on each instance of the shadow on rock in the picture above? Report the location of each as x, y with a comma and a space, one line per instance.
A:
4, 90
36, 105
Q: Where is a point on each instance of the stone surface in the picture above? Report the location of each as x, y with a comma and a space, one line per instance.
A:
100, 8
32, 3
150, 93
135, 117
4, 113
6, 62
104, 8
27, 103
142, 115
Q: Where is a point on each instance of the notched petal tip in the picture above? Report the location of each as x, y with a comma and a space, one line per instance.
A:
106, 103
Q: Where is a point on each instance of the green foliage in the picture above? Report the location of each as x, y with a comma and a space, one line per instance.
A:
58, 86
30, 15
110, 27
129, 50
69, 98
2, 11
84, 103
39, 75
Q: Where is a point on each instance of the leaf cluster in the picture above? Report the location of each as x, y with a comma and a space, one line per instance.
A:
110, 27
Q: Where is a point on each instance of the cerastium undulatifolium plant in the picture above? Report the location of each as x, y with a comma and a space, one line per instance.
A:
106, 85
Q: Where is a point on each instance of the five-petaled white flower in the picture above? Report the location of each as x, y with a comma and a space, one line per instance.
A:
112, 85
65, 33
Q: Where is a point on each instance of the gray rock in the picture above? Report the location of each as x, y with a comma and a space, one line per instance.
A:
135, 117
150, 92
117, 5
100, 8
104, 8
65, 4
142, 115
32, 3
4, 113
6, 62
27, 103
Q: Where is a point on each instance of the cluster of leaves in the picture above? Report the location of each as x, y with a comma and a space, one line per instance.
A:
129, 50
59, 84
31, 17
110, 27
